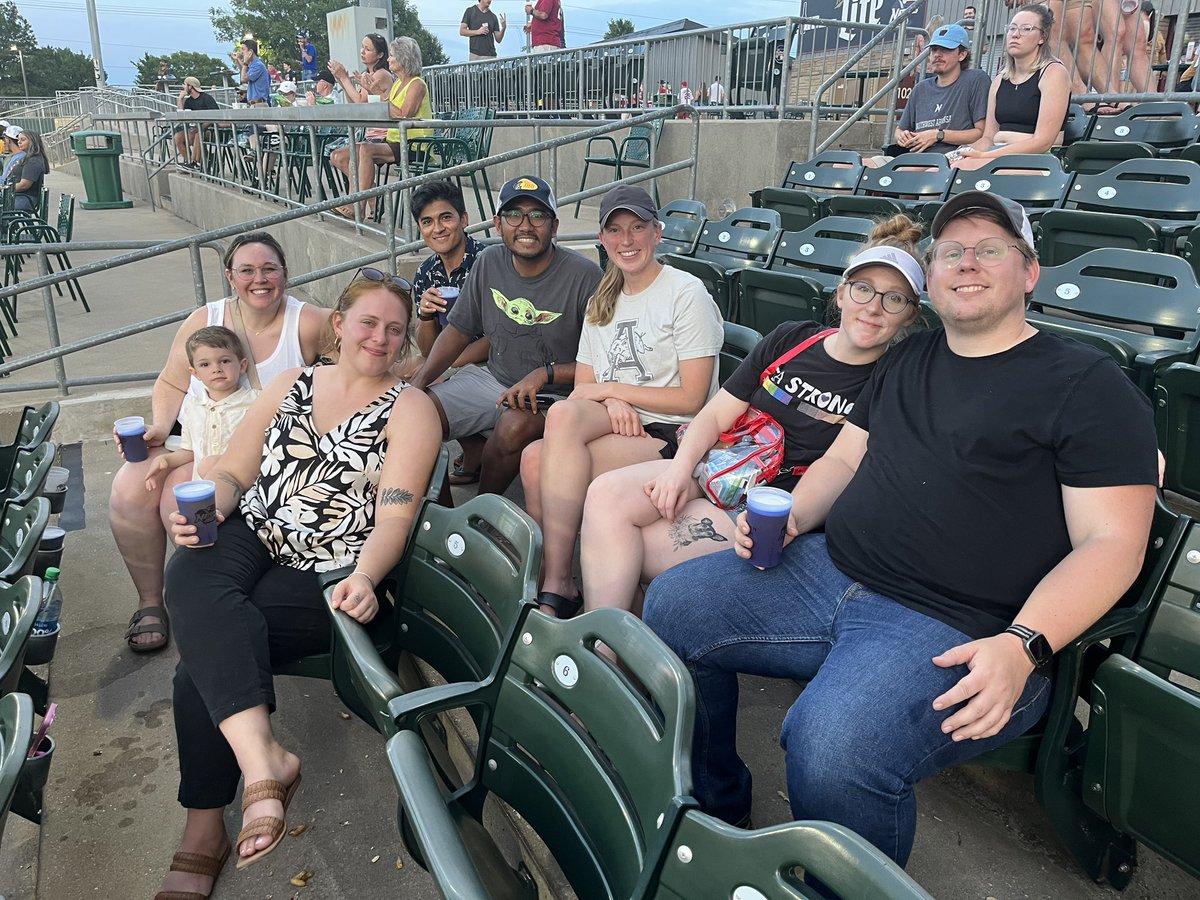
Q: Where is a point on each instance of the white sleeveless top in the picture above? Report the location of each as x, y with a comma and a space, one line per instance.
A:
287, 353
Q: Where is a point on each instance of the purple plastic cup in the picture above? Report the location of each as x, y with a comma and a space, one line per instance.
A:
131, 430
767, 511
198, 504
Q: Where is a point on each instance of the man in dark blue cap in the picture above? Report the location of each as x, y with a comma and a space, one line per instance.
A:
528, 298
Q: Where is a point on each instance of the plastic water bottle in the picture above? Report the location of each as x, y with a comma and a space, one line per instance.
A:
51, 608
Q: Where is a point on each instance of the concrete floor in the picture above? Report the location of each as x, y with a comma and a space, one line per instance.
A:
111, 820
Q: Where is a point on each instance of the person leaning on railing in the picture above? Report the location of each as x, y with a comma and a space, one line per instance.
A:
408, 99
279, 332
1027, 107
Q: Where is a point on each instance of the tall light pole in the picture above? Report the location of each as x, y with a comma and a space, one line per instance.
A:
21, 56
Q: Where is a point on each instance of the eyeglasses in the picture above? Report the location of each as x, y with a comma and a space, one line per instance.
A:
988, 252
1023, 29
380, 277
536, 217
893, 301
247, 273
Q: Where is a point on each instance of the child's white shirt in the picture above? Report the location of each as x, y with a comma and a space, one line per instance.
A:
208, 424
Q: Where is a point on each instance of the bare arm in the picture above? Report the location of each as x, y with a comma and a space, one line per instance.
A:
990, 126
413, 97
695, 376
447, 348
1056, 93
312, 325
499, 35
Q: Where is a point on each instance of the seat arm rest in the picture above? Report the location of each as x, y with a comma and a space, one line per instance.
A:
406, 708
1156, 359
363, 658
604, 139
329, 579
439, 840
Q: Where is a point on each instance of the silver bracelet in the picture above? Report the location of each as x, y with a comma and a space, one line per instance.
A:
370, 580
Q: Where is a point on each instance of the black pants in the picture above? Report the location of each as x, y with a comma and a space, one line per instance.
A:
235, 612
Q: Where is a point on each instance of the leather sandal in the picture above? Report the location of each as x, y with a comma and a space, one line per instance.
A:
161, 628
272, 826
195, 864
564, 607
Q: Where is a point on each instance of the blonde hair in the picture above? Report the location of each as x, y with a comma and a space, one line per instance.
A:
1044, 56
603, 303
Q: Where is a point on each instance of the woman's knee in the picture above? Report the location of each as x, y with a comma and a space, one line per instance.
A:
531, 464
128, 494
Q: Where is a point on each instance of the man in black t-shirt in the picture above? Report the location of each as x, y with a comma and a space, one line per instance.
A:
1000, 506
187, 138
485, 31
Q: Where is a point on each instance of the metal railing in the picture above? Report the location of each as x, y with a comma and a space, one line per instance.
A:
392, 195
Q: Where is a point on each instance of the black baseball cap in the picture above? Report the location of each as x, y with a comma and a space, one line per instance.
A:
629, 197
527, 186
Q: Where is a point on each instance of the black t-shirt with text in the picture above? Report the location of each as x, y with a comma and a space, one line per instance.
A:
956, 510
810, 397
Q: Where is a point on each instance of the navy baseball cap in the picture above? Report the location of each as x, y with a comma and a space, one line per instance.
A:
952, 37
527, 186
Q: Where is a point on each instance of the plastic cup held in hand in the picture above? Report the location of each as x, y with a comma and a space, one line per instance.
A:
767, 510
198, 504
132, 432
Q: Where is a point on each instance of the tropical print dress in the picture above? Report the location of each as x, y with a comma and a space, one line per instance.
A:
313, 503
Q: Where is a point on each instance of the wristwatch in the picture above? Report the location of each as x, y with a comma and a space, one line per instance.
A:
941, 135
1037, 648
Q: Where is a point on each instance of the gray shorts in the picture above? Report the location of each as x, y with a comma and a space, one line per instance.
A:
469, 398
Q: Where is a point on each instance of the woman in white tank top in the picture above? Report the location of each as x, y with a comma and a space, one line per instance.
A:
278, 332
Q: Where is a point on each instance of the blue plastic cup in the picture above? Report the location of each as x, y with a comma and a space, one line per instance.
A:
131, 431
767, 511
198, 504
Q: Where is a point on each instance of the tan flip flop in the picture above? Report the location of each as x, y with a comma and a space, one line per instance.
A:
272, 826
195, 864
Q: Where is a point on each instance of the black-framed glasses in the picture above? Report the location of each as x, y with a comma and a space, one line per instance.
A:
988, 252
380, 277
537, 217
894, 302
1023, 29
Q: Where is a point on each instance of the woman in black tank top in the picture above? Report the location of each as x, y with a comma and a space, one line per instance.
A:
1028, 103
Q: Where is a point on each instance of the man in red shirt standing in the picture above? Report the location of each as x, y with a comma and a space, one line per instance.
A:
546, 25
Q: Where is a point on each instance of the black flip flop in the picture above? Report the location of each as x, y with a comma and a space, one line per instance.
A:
564, 607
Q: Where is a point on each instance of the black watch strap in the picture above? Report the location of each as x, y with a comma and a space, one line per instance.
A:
941, 135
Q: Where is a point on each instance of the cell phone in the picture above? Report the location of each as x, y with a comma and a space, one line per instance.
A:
543, 400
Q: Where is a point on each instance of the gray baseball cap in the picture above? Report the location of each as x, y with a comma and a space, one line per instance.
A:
963, 204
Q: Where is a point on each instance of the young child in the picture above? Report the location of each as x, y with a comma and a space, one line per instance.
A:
216, 358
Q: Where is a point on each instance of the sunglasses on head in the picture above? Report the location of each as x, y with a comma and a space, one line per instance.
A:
380, 277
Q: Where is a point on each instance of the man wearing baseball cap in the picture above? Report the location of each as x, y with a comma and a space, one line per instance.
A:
988, 498
187, 138
528, 298
10, 134
948, 110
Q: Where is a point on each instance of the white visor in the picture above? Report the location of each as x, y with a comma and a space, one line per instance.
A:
893, 258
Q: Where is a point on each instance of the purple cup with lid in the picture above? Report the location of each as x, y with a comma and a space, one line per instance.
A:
198, 504
767, 510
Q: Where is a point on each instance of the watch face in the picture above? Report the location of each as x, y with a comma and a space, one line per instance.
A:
1039, 648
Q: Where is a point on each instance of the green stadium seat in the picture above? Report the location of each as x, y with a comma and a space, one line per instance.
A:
861, 207
910, 178
35, 428
1165, 191
1064, 234
595, 757
682, 222
16, 734
28, 475
19, 603
823, 250
767, 299
634, 152
1166, 125
834, 171
21, 528
1094, 157
1177, 417
797, 208
1035, 180
739, 341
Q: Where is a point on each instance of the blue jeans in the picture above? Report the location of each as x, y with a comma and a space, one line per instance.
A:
864, 731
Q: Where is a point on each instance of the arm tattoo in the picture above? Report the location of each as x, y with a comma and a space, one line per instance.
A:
395, 497
233, 483
688, 530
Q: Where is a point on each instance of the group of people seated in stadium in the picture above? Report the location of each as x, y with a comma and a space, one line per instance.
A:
964, 502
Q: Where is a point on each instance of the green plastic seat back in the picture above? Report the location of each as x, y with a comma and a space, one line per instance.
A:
797, 208
768, 299
21, 528
66, 217
823, 250
1177, 417
910, 177
739, 341
746, 237
16, 734
1164, 125
682, 222
1142, 768
1122, 352
593, 796
1093, 157
19, 602
29, 473
834, 171
714, 276
710, 859
861, 207
1191, 252
1191, 152
1065, 234
37, 424
1162, 189
1036, 181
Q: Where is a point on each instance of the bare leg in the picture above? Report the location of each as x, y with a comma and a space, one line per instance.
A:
259, 757
181, 146
137, 529
699, 530
515, 430
203, 833
1137, 51
1067, 32
166, 503
1105, 70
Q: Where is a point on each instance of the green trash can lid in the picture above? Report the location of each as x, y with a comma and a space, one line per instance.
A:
76, 134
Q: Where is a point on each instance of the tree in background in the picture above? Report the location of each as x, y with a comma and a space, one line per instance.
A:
183, 63
618, 28
48, 69
275, 28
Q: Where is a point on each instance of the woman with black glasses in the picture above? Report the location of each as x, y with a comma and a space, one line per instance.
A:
279, 332
641, 520
347, 456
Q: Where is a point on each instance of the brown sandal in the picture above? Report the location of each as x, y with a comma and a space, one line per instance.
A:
272, 826
195, 864
161, 628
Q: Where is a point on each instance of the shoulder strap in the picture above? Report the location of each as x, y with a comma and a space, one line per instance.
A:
799, 348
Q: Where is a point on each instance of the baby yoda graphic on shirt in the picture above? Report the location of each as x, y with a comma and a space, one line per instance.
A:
522, 311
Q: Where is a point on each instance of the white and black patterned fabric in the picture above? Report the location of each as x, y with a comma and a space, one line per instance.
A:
313, 502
